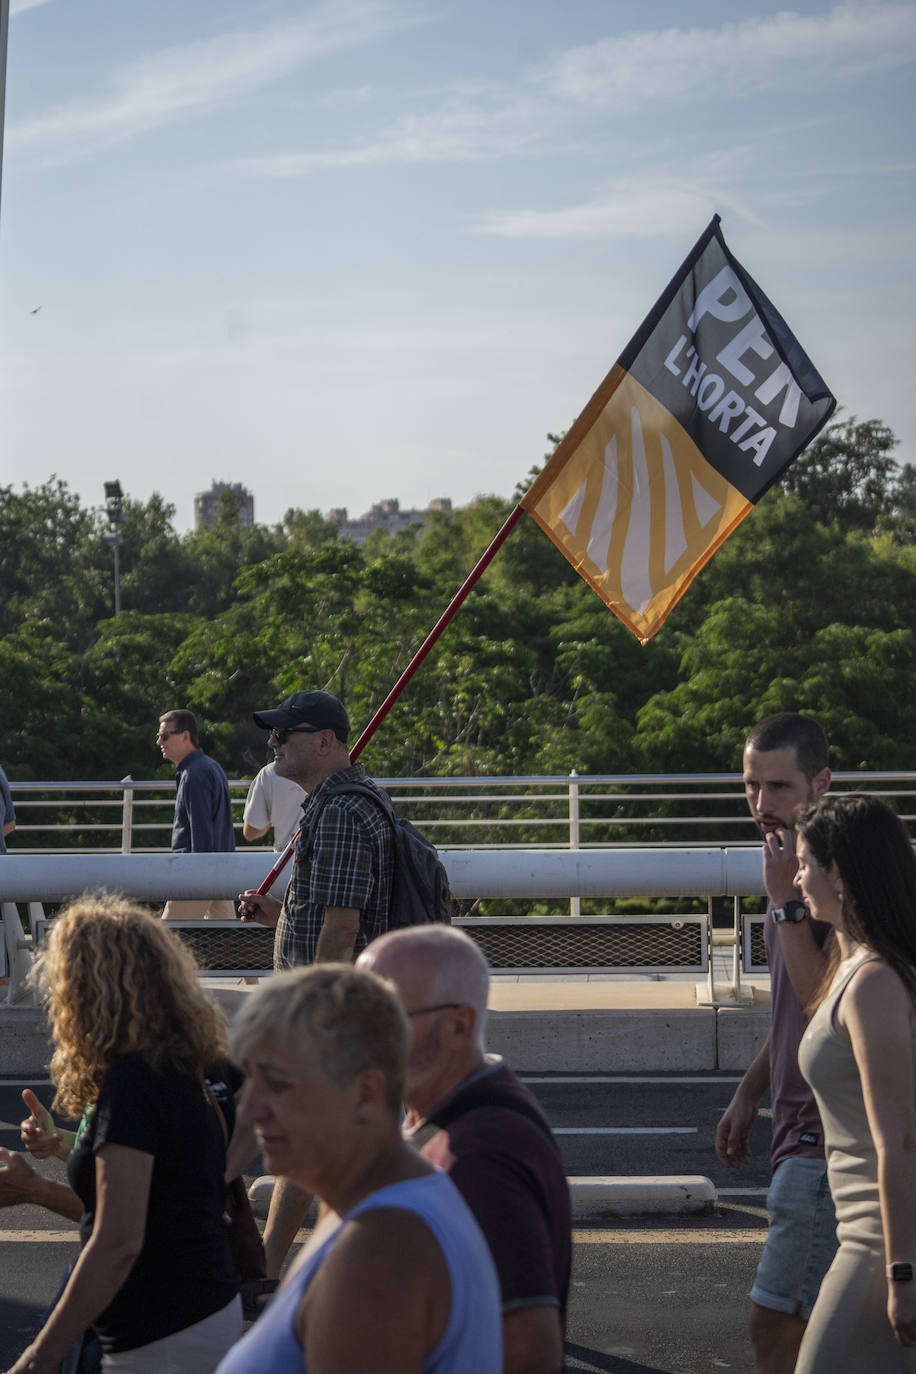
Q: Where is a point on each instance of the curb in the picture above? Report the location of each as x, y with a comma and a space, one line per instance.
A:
595, 1198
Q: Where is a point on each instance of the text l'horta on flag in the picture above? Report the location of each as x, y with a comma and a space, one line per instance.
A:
707, 406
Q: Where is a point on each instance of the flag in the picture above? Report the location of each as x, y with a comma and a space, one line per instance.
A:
707, 406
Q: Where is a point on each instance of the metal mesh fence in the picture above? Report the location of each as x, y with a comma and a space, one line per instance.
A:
676, 944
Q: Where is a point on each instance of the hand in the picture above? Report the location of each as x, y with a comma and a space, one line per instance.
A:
17, 1178
32, 1361
733, 1133
264, 910
901, 1311
780, 865
38, 1133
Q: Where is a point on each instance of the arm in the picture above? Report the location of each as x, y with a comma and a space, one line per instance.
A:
20, 1183
390, 1258
532, 1341
122, 1190
805, 960
733, 1131
39, 1134
243, 1148
254, 832
8, 828
337, 938
201, 801
878, 1016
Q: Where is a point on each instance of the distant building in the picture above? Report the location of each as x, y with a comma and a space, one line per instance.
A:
384, 515
206, 504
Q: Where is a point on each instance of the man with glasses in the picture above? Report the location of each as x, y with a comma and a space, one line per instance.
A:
339, 891
469, 1114
338, 894
203, 809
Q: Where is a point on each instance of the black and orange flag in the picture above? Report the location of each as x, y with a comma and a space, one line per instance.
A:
704, 410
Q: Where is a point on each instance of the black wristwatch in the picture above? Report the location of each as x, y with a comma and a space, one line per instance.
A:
793, 912
901, 1272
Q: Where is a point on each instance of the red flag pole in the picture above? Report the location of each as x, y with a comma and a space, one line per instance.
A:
447, 615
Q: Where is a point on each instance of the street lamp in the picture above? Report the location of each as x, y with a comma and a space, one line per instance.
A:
114, 509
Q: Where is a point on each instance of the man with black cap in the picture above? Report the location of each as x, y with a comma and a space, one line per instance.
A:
338, 894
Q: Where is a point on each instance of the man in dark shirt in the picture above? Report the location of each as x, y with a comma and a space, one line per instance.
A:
785, 766
7, 812
203, 810
470, 1115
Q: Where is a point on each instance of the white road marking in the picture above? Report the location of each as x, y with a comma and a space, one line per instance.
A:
624, 1130
614, 1237
622, 1078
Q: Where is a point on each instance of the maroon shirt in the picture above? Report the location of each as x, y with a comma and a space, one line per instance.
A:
797, 1129
511, 1175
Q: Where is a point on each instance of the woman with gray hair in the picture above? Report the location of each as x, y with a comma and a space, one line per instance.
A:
397, 1278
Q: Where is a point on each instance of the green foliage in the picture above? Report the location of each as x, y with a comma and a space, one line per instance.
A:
810, 605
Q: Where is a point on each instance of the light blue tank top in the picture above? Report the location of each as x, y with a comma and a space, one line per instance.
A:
472, 1340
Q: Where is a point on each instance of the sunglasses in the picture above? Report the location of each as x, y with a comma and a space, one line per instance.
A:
281, 736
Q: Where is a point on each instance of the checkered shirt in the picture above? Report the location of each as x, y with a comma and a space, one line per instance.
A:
352, 864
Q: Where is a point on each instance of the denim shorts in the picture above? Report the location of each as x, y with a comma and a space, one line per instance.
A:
801, 1241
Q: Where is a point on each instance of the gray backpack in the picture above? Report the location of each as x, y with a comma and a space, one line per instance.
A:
420, 892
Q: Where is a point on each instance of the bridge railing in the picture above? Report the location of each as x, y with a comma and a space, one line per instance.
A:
634, 944
570, 811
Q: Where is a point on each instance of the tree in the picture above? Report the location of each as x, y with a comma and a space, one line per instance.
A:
845, 476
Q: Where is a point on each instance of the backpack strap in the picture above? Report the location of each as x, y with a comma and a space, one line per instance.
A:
340, 789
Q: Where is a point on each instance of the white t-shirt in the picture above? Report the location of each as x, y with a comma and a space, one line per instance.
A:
274, 801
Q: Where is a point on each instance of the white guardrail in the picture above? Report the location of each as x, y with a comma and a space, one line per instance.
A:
34, 881
572, 811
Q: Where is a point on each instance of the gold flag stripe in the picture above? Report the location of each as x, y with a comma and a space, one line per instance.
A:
633, 504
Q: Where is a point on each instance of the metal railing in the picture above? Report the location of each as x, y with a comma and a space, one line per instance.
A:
573, 811
676, 943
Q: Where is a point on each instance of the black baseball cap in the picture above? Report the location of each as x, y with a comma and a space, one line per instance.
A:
320, 709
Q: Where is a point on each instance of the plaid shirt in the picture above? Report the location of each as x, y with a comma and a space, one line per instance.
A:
352, 864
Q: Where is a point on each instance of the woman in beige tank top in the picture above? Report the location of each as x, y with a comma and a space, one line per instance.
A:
857, 871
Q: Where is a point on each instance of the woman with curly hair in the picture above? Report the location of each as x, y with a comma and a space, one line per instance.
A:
135, 1038
856, 870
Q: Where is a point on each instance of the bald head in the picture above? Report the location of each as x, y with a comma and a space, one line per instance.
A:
442, 979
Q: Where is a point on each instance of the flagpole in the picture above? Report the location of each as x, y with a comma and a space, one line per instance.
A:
447, 615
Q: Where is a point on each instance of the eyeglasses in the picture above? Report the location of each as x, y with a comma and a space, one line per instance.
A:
166, 734
281, 736
440, 1006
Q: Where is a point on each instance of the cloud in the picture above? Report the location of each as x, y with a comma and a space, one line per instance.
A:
546, 105
20, 6
627, 211
471, 122
194, 79
660, 66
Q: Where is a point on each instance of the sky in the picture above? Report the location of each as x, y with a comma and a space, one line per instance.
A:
347, 250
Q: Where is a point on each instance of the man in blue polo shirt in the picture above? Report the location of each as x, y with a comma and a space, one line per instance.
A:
203, 811
7, 812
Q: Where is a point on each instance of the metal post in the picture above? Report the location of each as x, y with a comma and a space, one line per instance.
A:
127, 815
117, 578
575, 903
736, 953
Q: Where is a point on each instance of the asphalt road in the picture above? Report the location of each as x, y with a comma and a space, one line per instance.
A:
651, 1296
